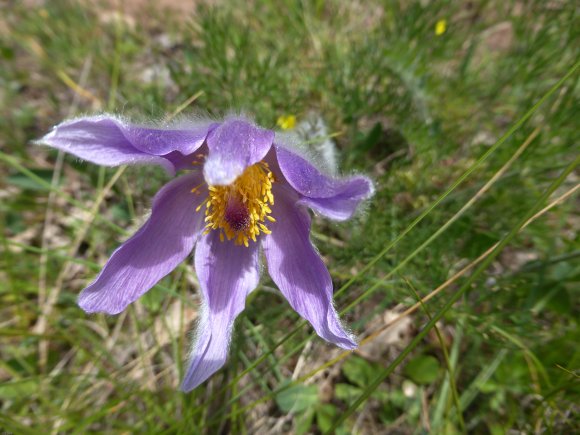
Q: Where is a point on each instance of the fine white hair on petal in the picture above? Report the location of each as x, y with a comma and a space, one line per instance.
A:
183, 121
180, 122
220, 175
304, 143
240, 114
344, 325
201, 324
292, 142
314, 131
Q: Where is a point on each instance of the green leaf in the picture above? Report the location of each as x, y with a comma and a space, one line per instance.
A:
489, 387
18, 389
423, 369
27, 183
561, 272
120, 212
325, 415
153, 300
359, 371
346, 392
304, 421
297, 398
496, 429
560, 302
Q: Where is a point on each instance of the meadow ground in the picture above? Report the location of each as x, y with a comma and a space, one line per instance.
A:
460, 278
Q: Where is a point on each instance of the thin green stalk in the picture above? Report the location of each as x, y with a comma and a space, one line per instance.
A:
442, 400
450, 371
473, 389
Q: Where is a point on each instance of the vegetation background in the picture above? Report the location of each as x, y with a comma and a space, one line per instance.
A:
464, 113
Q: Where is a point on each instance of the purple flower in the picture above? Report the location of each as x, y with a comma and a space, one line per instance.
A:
244, 189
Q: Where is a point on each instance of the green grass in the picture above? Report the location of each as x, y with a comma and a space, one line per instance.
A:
467, 135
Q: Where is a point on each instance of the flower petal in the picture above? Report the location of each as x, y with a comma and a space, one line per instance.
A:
298, 270
109, 141
227, 274
233, 146
163, 242
331, 197
186, 139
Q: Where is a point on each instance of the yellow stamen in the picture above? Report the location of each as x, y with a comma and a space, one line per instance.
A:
199, 159
239, 210
196, 189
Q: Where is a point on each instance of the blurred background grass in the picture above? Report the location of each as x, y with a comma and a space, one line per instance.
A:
414, 92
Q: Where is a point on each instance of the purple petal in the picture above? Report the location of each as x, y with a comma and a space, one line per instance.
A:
109, 141
331, 197
227, 274
233, 146
186, 139
189, 161
298, 270
163, 242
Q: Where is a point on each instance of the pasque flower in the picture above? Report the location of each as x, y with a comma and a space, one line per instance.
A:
244, 189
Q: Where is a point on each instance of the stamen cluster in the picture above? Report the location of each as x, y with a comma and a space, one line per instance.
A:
239, 210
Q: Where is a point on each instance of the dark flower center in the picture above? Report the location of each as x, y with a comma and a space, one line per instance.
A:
237, 215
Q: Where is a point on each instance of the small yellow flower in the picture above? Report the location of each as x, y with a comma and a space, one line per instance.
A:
286, 122
440, 27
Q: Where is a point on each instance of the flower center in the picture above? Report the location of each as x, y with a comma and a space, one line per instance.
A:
237, 215
239, 210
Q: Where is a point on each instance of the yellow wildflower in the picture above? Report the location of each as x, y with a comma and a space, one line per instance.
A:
286, 122
440, 27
